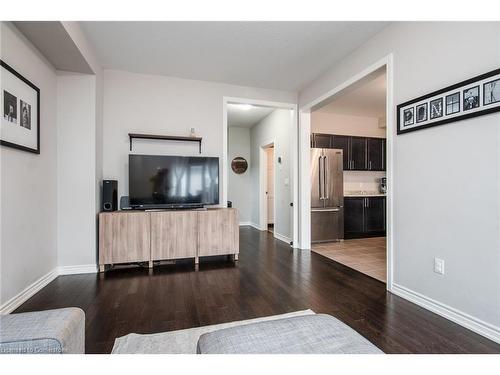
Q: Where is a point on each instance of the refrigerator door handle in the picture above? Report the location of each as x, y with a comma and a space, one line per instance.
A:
319, 176
335, 209
326, 177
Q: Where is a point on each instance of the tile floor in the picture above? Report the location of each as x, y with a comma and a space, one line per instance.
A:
366, 255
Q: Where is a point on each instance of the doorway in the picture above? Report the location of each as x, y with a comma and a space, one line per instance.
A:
371, 237
262, 135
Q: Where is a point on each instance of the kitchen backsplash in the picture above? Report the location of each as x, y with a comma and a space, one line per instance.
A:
362, 181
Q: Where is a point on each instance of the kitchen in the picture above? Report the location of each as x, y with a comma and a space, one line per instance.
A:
348, 177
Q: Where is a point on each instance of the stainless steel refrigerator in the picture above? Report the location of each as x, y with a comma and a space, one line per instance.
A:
327, 195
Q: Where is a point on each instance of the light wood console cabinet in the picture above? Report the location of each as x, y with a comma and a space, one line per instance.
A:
139, 236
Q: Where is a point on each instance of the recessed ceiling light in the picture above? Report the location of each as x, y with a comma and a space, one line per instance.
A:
244, 107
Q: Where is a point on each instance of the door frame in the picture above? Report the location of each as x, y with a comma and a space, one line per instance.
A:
293, 153
263, 201
304, 147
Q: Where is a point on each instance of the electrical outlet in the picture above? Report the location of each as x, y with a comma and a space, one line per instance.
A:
439, 266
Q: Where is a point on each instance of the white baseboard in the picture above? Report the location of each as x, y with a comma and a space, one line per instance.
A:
250, 224
282, 238
72, 270
27, 293
34, 288
474, 324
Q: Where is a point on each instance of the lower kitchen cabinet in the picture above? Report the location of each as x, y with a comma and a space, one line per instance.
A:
364, 217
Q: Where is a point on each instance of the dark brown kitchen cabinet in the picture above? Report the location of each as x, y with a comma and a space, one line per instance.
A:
364, 217
342, 142
376, 154
360, 153
353, 216
321, 140
375, 215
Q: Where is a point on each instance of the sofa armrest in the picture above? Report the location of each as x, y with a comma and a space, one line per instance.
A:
51, 331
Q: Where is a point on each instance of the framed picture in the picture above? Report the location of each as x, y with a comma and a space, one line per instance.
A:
453, 103
436, 108
408, 116
20, 100
476, 96
471, 98
422, 112
491, 92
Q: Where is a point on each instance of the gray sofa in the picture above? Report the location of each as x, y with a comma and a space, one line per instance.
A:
306, 334
57, 331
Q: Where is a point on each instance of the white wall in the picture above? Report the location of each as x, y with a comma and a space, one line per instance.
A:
76, 118
165, 105
447, 178
276, 127
332, 123
238, 185
28, 181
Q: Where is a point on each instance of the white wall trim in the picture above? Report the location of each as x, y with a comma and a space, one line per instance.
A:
249, 224
43, 281
282, 238
78, 269
465, 320
28, 292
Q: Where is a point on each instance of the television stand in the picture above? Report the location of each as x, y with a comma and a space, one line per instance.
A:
146, 236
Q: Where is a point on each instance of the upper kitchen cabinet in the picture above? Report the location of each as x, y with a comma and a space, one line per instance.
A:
321, 140
376, 154
342, 142
360, 153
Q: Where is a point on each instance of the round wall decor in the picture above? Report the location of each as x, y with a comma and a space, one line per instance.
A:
239, 165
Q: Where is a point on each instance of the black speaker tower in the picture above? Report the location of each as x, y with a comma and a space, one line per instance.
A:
109, 195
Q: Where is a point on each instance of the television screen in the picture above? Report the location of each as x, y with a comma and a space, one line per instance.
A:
173, 181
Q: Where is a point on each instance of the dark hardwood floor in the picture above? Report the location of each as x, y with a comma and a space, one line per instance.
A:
270, 278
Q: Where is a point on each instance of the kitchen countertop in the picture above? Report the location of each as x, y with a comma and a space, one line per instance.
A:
360, 195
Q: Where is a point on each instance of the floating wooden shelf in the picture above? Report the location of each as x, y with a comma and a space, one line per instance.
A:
164, 138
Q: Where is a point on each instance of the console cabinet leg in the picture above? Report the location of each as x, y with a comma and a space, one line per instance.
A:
102, 267
196, 260
150, 264
235, 257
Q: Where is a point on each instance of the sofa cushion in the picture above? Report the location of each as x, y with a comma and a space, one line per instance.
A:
308, 334
50, 331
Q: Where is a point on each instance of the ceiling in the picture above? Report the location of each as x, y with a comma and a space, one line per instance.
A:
366, 98
54, 42
239, 116
274, 55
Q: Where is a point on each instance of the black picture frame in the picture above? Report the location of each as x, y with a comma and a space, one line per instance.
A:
3, 142
459, 87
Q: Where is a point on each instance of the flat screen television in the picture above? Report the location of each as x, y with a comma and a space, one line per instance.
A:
173, 181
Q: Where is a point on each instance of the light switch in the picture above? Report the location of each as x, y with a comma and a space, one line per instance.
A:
439, 266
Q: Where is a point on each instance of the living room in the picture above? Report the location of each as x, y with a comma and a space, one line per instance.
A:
117, 170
